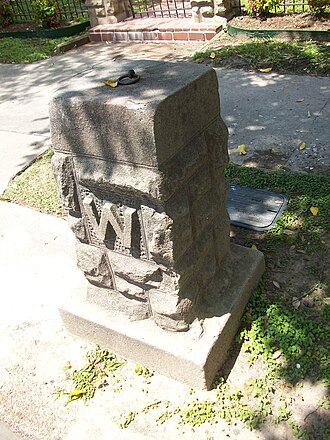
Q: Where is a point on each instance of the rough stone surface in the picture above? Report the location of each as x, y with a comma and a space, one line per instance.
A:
141, 172
191, 356
168, 108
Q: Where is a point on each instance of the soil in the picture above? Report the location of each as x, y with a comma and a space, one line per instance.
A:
32, 26
302, 21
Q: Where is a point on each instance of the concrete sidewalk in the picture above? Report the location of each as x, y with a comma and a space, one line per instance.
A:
263, 111
37, 259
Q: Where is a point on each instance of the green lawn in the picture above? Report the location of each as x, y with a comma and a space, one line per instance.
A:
28, 50
300, 57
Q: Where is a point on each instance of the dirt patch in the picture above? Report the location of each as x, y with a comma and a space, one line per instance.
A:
32, 26
302, 21
314, 159
294, 272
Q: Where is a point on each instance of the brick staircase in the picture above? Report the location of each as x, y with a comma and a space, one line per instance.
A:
157, 29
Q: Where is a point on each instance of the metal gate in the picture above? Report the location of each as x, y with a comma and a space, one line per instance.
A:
160, 8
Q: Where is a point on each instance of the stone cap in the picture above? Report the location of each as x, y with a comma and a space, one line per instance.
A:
145, 123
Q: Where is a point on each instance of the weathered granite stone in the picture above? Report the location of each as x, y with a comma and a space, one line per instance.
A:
141, 171
94, 263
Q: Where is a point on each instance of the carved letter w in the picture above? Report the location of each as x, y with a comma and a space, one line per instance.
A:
122, 228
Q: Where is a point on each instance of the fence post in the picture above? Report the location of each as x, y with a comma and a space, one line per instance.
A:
106, 11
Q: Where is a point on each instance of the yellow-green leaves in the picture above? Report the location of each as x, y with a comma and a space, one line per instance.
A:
242, 149
302, 146
266, 70
314, 210
212, 55
76, 393
111, 83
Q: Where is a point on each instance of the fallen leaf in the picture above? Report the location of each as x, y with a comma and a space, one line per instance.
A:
111, 83
302, 146
314, 210
242, 149
77, 392
288, 232
212, 55
277, 354
309, 114
286, 384
266, 70
301, 100
254, 246
276, 284
249, 387
151, 405
275, 150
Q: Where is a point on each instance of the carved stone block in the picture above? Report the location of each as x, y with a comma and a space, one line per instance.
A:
140, 169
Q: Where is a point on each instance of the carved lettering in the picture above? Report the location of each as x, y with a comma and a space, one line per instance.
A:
121, 226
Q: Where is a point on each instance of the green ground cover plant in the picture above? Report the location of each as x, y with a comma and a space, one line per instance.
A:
46, 13
28, 50
36, 187
304, 57
6, 14
318, 7
101, 364
262, 8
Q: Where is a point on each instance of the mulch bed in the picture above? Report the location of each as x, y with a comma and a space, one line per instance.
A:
303, 21
31, 26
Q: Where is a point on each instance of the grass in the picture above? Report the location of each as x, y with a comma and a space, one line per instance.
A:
36, 187
28, 50
304, 57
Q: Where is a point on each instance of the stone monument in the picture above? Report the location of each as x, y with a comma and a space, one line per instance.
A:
140, 169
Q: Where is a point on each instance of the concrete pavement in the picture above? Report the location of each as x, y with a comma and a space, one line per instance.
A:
264, 111
37, 258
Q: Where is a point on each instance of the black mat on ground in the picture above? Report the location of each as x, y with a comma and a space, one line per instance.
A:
255, 209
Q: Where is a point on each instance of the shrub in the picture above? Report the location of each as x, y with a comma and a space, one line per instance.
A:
46, 13
260, 8
6, 14
317, 7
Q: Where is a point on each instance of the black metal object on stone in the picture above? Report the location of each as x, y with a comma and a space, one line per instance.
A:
129, 78
255, 209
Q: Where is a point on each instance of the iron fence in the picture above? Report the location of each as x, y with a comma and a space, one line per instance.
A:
69, 9
160, 8
285, 7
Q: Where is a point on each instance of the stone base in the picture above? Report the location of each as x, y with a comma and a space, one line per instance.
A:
192, 357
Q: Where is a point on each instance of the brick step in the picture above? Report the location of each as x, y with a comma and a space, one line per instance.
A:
155, 29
